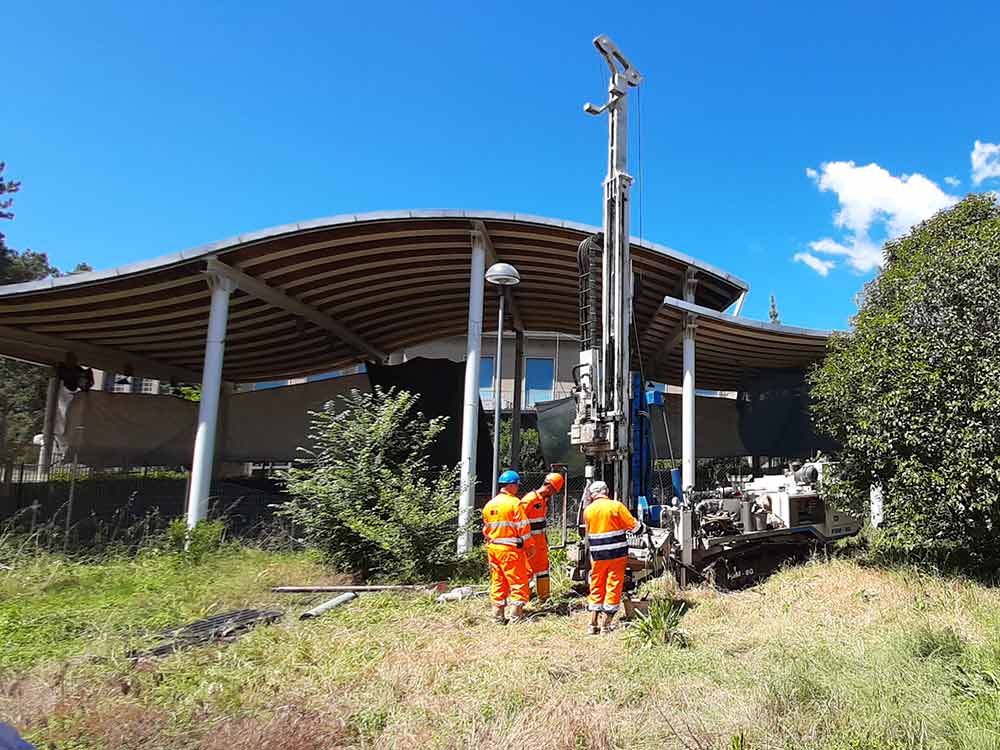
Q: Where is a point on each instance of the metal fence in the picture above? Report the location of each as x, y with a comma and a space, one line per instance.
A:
88, 506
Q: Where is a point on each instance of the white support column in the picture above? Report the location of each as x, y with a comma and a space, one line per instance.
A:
470, 409
687, 405
49, 425
208, 410
739, 304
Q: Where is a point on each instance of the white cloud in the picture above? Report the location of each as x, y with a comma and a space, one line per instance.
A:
820, 266
872, 201
953, 181
985, 161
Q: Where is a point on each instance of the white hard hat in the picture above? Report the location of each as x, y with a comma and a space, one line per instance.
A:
598, 488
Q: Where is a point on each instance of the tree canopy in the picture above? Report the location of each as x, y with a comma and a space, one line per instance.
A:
912, 393
22, 386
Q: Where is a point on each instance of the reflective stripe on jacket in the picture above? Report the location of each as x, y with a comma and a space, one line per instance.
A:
607, 523
504, 521
535, 509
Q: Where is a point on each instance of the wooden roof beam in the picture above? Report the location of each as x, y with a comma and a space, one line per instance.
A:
257, 288
51, 350
480, 229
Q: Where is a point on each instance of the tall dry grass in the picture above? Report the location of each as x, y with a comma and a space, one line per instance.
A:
828, 655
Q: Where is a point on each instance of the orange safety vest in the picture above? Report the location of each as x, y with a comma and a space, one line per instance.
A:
607, 523
504, 522
535, 509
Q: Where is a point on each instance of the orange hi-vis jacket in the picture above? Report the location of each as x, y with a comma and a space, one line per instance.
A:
504, 522
607, 522
536, 509
506, 530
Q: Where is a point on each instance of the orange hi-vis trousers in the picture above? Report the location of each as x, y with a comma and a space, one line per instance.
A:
538, 562
606, 580
509, 575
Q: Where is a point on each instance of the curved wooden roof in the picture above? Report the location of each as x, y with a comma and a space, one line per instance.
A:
391, 279
727, 348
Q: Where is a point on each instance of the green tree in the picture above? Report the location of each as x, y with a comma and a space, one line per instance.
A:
367, 496
913, 392
22, 386
532, 459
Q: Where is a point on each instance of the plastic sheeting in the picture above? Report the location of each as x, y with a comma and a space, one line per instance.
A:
271, 424
115, 429
119, 429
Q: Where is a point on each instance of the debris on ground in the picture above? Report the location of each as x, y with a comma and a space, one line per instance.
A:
226, 627
328, 605
429, 587
460, 593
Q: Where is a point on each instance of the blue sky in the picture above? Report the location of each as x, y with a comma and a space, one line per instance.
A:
139, 130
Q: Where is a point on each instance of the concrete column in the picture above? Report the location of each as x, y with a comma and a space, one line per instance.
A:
49, 425
687, 405
470, 408
515, 417
208, 409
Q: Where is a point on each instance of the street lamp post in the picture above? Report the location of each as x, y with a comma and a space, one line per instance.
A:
500, 275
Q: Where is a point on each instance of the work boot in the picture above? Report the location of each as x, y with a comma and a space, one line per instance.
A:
606, 625
498, 614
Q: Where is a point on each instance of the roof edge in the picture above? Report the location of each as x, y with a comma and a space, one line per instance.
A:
231, 243
749, 323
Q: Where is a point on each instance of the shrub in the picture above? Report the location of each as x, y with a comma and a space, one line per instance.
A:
660, 625
367, 496
913, 392
195, 543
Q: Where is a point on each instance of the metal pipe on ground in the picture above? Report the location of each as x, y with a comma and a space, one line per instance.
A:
328, 605
332, 589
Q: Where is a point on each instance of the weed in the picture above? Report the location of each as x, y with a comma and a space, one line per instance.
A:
939, 643
196, 542
660, 625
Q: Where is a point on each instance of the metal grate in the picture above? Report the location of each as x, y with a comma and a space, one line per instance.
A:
225, 627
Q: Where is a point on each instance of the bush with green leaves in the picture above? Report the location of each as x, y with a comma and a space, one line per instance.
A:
367, 495
660, 625
197, 542
912, 393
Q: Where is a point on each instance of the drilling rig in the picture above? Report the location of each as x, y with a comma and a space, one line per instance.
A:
732, 536
601, 428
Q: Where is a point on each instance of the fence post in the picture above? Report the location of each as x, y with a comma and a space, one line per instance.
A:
69, 503
20, 487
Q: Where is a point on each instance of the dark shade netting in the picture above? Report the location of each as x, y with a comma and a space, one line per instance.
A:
441, 384
774, 415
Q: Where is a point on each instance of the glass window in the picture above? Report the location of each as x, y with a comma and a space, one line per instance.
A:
121, 383
538, 380
150, 386
354, 370
486, 378
269, 384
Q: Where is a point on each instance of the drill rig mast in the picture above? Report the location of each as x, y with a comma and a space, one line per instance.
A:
601, 428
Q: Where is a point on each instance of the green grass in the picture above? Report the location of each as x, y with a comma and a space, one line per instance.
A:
828, 655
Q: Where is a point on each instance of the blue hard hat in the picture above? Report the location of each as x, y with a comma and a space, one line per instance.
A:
509, 477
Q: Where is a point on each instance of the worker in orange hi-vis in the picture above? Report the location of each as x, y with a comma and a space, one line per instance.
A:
607, 522
506, 530
535, 505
